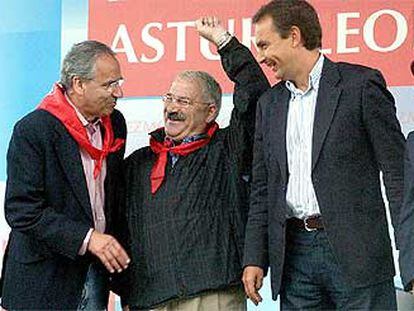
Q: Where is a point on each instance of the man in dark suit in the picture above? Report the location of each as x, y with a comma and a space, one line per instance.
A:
406, 227
63, 164
323, 136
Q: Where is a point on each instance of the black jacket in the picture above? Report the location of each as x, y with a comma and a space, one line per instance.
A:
188, 237
406, 227
356, 135
48, 209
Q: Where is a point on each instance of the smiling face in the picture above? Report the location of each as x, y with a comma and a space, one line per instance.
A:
97, 97
273, 50
186, 114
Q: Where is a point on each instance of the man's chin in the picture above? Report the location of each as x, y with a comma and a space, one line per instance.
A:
174, 127
173, 133
278, 75
107, 112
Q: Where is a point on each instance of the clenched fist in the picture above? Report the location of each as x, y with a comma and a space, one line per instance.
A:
210, 28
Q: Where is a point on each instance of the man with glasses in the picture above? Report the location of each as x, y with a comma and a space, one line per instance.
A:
187, 193
64, 160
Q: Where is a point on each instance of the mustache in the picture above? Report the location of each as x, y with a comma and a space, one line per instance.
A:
176, 116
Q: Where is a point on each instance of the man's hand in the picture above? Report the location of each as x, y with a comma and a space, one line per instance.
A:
109, 251
209, 27
253, 281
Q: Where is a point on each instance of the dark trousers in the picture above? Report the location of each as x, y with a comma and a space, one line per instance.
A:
313, 280
95, 292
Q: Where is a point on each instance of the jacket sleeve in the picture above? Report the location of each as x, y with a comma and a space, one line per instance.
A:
26, 209
256, 243
250, 83
384, 130
120, 283
406, 226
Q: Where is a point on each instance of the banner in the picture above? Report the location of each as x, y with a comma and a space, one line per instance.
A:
156, 39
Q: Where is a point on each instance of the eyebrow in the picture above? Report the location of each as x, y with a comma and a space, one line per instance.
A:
261, 43
183, 97
180, 97
114, 80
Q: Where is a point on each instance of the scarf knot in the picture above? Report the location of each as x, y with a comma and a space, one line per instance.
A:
56, 103
161, 149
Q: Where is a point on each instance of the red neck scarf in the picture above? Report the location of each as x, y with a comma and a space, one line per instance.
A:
57, 104
162, 149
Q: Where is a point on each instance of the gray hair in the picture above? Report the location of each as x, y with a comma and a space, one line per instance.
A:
211, 90
80, 61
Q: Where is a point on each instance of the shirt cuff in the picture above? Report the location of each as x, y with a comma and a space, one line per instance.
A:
84, 247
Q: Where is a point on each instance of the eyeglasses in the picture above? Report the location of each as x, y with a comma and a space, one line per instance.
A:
181, 101
111, 85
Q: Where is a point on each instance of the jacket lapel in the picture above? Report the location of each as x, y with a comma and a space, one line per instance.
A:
70, 159
326, 104
279, 116
109, 186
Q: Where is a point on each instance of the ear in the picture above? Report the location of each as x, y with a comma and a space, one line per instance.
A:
296, 36
78, 86
212, 113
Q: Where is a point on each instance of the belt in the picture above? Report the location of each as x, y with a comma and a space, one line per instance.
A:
310, 223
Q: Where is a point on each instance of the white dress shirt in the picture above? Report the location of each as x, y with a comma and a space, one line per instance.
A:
300, 196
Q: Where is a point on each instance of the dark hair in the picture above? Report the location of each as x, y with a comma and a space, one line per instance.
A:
412, 67
288, 13
80, 61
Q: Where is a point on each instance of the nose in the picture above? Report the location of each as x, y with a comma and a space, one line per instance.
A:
260, 57
117, 91
171, 105
170, 108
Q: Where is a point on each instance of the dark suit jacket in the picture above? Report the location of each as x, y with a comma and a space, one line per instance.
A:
356, 135
406, 227
48, 208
